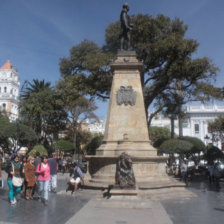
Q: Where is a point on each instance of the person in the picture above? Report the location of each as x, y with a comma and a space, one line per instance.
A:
14, 169
60, 164
23, 187
52, 162
217, 174
64, 165
211, 173
78, 177
126, 27
30, 177
37, 161
183, 170
43, 171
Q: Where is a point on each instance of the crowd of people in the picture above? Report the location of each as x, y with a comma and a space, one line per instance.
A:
37, 177
212, 170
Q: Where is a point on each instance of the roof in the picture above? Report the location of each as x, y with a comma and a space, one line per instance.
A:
7, 65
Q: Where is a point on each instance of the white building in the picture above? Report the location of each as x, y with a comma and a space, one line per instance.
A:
9, 90
95, 126
196, 122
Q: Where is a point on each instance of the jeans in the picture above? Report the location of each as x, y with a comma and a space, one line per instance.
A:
13, 191
54, 181
43, 185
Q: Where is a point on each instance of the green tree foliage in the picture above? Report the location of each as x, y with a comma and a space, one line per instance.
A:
213, 153
20, 135
198, 145
14, 135
38, 148
216, 129
4, 139
178, 146
41, 111
91, 147
158, 135
77, 107
90, 66
64, 145
168, 61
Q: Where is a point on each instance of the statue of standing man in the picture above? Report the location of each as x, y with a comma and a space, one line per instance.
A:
126, 27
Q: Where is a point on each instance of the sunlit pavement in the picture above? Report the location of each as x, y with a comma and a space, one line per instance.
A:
59, 209
208, 207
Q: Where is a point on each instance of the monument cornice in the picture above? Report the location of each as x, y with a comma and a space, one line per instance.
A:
126, 66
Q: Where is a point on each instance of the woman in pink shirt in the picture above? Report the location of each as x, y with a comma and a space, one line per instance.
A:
43, 171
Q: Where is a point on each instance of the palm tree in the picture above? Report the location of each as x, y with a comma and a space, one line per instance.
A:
34, 87
35, 102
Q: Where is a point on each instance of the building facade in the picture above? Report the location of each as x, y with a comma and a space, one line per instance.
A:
195, 123
9, 91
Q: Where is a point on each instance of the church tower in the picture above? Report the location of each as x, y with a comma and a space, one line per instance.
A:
9, 91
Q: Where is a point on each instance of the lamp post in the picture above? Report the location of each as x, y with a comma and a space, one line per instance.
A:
207, 139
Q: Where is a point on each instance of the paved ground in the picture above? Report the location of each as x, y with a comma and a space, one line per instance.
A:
89, 207
207, 208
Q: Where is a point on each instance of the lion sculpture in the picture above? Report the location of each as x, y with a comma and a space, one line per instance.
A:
124, 173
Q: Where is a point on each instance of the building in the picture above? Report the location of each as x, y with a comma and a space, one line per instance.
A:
94, 126
9, 91
195, 123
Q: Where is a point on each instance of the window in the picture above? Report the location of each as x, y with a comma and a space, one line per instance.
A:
4, 106
196, 128
5, 89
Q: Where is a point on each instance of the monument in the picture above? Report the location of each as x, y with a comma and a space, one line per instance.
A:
126, 128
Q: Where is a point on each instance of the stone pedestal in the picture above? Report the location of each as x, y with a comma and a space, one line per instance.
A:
126, 130
126, 127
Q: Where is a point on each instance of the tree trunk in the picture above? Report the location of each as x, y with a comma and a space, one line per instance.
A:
172, 126
180, 124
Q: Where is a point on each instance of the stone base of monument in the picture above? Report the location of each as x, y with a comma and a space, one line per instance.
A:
151, 178
102, 169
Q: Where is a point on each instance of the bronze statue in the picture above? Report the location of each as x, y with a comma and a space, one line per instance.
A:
124, 173
126, 27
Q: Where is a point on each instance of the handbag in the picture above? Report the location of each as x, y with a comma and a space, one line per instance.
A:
16, 181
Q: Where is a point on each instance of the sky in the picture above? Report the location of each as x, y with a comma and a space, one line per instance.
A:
34, 35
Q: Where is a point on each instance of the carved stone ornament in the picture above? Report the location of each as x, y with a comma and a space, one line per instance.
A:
126, 95
124, 176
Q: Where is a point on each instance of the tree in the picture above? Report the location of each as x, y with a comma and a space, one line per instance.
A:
38, 148
20, 135
15, 135
198, 147
213, 153
77, 107
158, 135
216, 129
41, 111
64, 145
178, 146
4, 139
91, 147
167, 56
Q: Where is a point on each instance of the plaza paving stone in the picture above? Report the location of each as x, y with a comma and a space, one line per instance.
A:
59, 210
88, 205
207, 208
